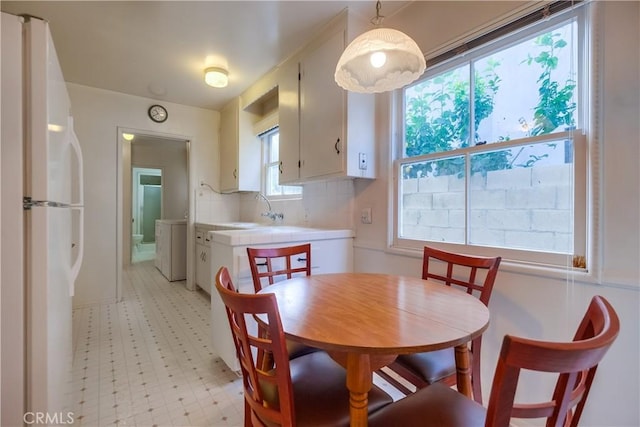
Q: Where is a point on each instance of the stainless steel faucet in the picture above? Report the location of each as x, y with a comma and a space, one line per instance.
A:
270, 213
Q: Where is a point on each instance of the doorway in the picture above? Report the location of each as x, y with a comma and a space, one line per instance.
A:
146, 208
148, 151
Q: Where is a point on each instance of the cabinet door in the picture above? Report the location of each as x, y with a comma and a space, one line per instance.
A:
199, 266
203, 265
322, 111
332, 256
240, 153
229, 147
207, 276
288, 116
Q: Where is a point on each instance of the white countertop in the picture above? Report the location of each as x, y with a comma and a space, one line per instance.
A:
276, 234
228, 225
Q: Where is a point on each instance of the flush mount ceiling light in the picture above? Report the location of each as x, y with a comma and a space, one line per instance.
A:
379, 60
128, 136
216, 77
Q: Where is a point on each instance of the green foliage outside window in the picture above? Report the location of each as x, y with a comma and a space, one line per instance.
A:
555, 106
437, 115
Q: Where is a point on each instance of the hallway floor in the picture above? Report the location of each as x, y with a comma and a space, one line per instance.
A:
148, 360
143, 252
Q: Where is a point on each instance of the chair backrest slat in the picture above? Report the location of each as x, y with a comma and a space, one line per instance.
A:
462, 270
575, 363
471, 273
269, 264
268, 390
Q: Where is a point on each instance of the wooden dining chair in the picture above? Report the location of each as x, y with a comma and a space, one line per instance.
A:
271, 264
575, 362
309, 390
268, 265
475, 275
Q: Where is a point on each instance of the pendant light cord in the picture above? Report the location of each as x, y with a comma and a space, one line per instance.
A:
378, 18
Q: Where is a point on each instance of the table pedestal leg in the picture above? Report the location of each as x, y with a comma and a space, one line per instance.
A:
359, 381
463, 371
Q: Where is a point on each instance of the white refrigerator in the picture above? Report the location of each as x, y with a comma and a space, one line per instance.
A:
41, 223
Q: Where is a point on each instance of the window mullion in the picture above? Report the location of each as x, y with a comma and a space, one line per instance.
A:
467, 157
472, 91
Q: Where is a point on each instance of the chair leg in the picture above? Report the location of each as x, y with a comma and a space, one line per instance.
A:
247, 415
476, 383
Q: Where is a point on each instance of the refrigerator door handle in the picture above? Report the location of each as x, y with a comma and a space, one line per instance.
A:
75, 144
79, 206
75, 268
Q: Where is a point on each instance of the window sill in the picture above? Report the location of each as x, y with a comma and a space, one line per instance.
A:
518, 267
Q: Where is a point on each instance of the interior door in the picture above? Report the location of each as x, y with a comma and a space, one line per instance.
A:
151, 210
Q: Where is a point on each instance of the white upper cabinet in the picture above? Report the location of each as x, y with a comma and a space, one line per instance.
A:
325, 131
288, 103
322, 111
240, 153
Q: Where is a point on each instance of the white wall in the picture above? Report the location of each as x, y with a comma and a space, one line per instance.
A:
98, 115
532, 303
171, 157
323, 205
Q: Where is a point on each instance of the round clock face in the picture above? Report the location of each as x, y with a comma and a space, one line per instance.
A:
158, 113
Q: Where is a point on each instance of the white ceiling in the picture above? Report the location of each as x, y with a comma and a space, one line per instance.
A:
159, 49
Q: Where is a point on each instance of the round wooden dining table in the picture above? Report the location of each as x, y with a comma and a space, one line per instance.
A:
365, 320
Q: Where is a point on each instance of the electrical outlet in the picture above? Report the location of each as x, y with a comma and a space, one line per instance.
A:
365, 216
362, 161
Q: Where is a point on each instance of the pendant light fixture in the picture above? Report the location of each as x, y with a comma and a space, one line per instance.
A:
379, 60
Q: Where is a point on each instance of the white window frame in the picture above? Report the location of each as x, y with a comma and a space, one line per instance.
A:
265, 139
580, 139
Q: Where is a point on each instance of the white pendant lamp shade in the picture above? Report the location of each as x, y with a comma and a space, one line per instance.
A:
379, 60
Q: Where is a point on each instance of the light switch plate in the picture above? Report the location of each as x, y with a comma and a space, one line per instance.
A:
365, 216
362, 161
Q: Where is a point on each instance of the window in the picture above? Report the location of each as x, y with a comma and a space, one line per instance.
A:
492, 152
271, 141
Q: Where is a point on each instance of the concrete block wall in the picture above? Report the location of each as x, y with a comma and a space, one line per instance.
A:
529, 208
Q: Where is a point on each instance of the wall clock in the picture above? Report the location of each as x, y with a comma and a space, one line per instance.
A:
158, 113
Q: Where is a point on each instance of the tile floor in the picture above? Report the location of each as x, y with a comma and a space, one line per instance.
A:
148, 360
143, 252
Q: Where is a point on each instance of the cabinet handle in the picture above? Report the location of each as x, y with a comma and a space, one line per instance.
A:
235, 173
336, 146
280, 166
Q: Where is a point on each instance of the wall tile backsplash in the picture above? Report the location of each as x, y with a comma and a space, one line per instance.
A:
324, 205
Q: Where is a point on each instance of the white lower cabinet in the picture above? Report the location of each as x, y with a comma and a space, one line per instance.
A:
203, 259
203, 276
331, 252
